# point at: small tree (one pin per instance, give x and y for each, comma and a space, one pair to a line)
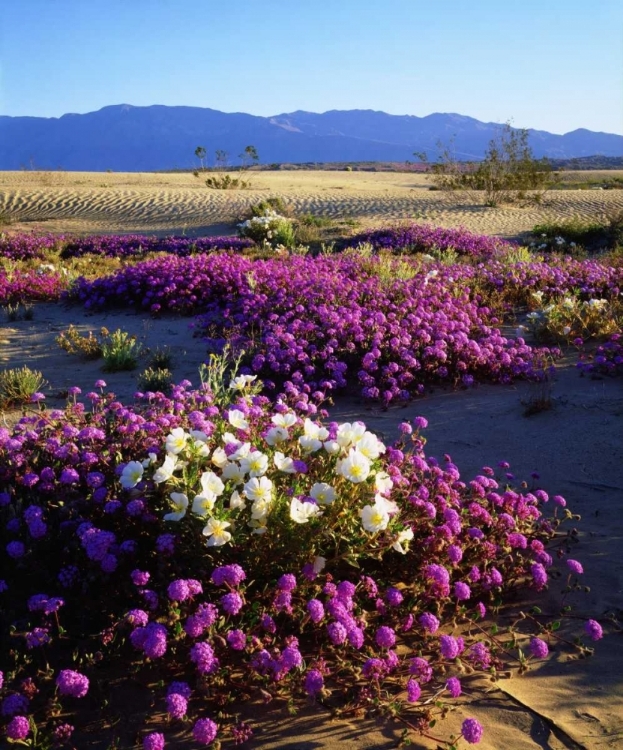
200, 153
222, 157
248, 156
508, 172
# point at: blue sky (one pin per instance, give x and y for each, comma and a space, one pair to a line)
549, 64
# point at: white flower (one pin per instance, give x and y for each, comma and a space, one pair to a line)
370, 446
176, 441
131, 475
276, 435
219, 458
323, 493
406, 535
538, 296
237, 419
319, 563
284, 420
255, 464
390, 506
332, 447
313, 430
309, 444
374, 517
283, 463
241, 452
236, 502
302, 512
259, 489
151, 459
210, 482
233, 472
383, 482
566, 331
229, 437
260, 509
215, 531
599, 304
166, 470
349, 434
180, 504
355, 467
203, 504
241, 382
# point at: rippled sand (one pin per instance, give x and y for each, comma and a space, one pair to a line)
134, 202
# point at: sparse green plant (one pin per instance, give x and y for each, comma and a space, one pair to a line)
12, 312
539, 397
89, 346
120, 351
28, 312
447, 256
156, 379
275, 203
362, 250
219, 373
571, 317
18, 385
570, 236
227, 182
161, 358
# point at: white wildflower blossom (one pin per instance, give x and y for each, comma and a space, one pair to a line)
284, 420
203, 504
374, 518
179, 501
216, 532
302, 512
241, 382
219, 458
210, 482
283, 463
165, 472
255, 464
237, 419
404, 537
176, 440
258, 489
131, 475
323, 493
355, 467
276, 435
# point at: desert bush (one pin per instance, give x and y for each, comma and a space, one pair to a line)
270, 228
156, 380
570, 317
89, 346
161, 358
19, 385
507, 173
120, 351
570, 236
274, 204
227, 182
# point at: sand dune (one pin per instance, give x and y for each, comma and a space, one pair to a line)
107, 202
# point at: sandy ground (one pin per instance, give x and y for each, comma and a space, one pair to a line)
576, 447
84, 202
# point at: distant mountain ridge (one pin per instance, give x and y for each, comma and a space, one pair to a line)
127, 138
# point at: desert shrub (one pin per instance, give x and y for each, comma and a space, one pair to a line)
19, 385
156, 380
570, 317
567, 236
507, 173
161, 357
120, 351
89, 346
615, 230
227, 182
270, 228
274, 204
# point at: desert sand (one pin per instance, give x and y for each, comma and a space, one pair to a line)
84, 202
577, 448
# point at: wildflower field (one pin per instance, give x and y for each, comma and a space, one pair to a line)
226, 543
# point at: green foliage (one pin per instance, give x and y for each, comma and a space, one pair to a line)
227, 182
271, 228
120, 351
219, 372
156, 379
17, 385
89, 346
565, 236
161, 358
508, 172
274, 203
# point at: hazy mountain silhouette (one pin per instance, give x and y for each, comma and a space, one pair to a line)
127, 138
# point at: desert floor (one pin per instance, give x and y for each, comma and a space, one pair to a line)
83, 202
577, 447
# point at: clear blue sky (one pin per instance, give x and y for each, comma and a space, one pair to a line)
550, 64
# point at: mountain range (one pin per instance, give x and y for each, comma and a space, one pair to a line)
127, 138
